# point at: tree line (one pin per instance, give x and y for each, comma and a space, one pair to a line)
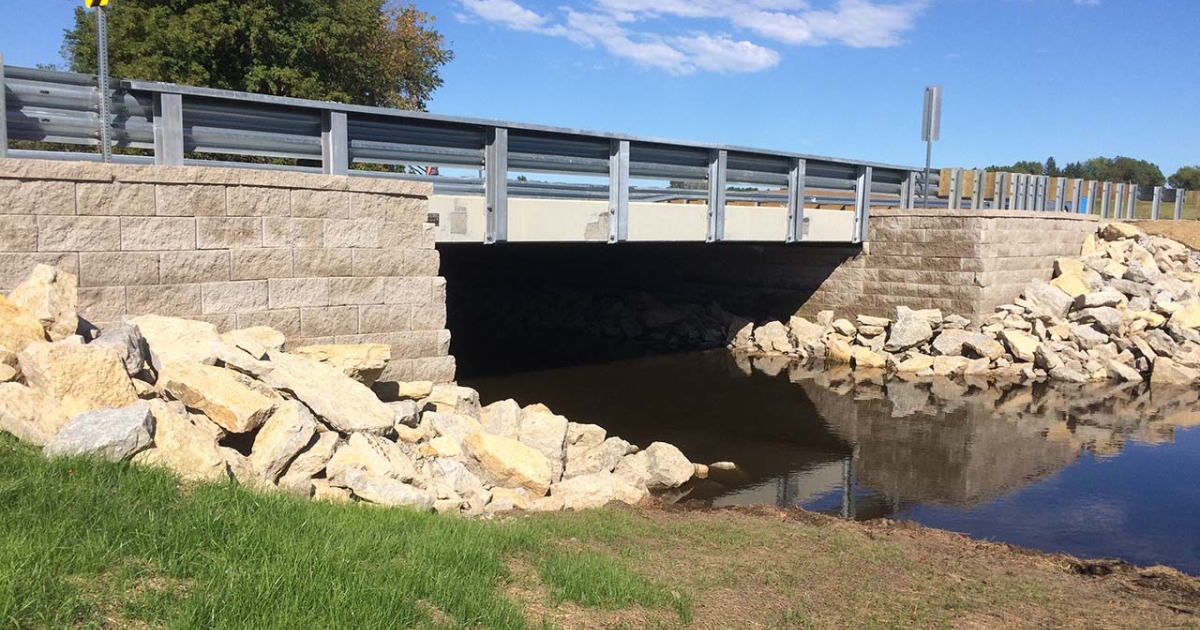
1115, 169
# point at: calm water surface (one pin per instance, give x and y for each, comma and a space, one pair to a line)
1094, 471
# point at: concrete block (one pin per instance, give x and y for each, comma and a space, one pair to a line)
439, 290
189, 200
430, 316
353, 233
101, 304
436, 369
385, 318
378, 262
234, 297
99, 269
328, 321
228, 232
37, 197
370, 205
324, 262
443, 342
258, 201
173, 300
320, 204
412, 291
298, 292
223, 321
399, 370
365, 290
398, 235
115, 199
260, 264
194, 266
158, 233
290, 232
407, 209
286, 321
408, 344
421, 262
16, 267
18, 233
79, 234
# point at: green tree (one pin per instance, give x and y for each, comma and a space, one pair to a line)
1187, 178
366, 52
1024, 167
1052, 168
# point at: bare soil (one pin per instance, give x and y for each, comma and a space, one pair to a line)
1186, 232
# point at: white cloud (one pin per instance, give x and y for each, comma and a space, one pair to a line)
658, 34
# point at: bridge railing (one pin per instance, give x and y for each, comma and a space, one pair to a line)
55, 115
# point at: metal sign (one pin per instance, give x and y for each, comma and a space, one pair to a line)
931, 122
92, 4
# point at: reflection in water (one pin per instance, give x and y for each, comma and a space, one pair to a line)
993, 461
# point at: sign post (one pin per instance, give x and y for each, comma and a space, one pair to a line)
931, 128
102, 75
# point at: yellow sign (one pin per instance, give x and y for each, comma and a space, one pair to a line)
92, 4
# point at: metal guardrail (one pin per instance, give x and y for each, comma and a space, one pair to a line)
174, 124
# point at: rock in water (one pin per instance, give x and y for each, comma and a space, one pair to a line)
907, 332
81, 378
29, 414
284, 435
596, 490
509, 463
661, 465
773, 337
17, 327
218, 394
50, 295
363, 362
113, 434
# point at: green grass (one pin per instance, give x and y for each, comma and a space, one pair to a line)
90, 544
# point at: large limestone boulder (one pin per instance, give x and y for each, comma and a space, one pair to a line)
1168, 372
384, 490
50, 295
112, 434
1187, 317
256, 341
908, 331
362, 362
29, 414
453, 399
547, 434
1044, 295
950, 342
661, 465
81, 378
596, 490
984, 346
454, 426
176, 340
502, 418
18, 328
185, 443
805, 332
345, 404
508, 463
299, 475
281, 439
372, 454
1022, 345
773, 337
127, 342
602, 457
1120, 231
217, 393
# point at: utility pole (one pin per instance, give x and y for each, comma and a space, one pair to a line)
102, 75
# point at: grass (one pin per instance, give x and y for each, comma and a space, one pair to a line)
87, 544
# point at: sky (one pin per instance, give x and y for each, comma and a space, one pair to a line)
1023, 79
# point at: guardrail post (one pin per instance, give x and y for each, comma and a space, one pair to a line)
1077, 196
3, 113
908, 189
1060, 195
862, 203
1119, 210
795, 225
335, 143
977, 191
168, 129
1106, 200
718, 161
1000, 195
1041, 198
496, 186
1131, 207
1179, 197
955, 188
618, 191
1157, 204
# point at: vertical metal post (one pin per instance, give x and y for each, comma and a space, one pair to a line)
495, 158
1131, 207
977, 191
3, 113
848, 483
335, 143
1077, 196
862, 203
1093, 196
618, 191
1031, 192
1157, 204
1043, 184
1119, 206
928, 159
1106, 200
795, 226
718, 161
956, 180
1060, 194
102, 81
999, 190
1179, 197
908, 190
168, 129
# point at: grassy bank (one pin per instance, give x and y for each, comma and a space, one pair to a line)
95, 545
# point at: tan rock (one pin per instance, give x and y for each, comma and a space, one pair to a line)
299, 475
217, 393
256, 341
414, 390
362, 362
373, 454
502, 418
508, 463
289, 429
1068, 266
1071, 284
1187, 317
547, 434
80, 378
603, 457
865, 359
29, 414
915, 363
410, 435
454, 399
18, 327
1089, 246
176, 340
384, 490
701, 471
186, 444
508, 499
597, 490
1022, 345
324, 491
1118, 231
838, 352
442, 446
1168, 372
949, 366
345, 404
661, 465
50, 295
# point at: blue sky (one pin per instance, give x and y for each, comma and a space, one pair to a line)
1024, 79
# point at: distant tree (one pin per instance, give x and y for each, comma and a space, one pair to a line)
366, 52
1073, 170
1024, 167
1052, 168
1187, 178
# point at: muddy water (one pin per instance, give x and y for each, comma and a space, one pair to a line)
1095, 471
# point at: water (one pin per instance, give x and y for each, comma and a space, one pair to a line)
1095, 471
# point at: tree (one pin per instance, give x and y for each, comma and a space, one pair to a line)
1052, 168
1186, 178
1024, 167
365, 52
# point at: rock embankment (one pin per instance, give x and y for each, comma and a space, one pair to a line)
175, 393
1127, 308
